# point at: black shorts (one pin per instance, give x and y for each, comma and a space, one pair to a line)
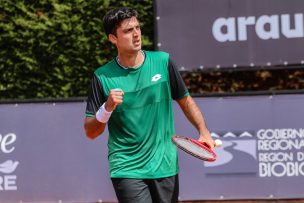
161, 190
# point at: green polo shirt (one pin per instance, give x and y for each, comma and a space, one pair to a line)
140, 129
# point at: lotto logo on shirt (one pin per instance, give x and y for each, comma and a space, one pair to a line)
156, 77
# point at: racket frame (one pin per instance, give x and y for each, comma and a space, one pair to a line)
202, 145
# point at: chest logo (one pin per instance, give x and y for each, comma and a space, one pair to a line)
156, 77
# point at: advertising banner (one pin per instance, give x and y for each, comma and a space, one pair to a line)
231, 33
46, 157
262, 152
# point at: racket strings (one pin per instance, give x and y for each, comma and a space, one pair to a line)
194, 149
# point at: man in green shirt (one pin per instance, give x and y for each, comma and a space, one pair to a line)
133, 94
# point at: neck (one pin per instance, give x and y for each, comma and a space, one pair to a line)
132, 60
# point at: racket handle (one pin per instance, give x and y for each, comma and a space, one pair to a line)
218, 142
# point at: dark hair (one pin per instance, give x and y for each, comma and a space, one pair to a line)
114, 17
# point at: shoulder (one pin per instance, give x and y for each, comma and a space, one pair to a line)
106, 68
161, 55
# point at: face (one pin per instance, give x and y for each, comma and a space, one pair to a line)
128, 36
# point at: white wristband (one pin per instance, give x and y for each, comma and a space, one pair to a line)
102, 115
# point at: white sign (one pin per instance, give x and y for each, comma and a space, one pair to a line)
7, 168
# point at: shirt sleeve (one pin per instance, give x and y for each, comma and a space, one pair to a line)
95, 98
177, 85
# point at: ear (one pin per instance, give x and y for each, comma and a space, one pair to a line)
112, 38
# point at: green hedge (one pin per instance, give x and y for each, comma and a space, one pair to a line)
50, 48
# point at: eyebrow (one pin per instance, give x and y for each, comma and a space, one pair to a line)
131, 28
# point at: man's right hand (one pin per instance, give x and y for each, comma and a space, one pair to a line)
115, 98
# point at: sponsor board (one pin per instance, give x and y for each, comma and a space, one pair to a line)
264, 153
50, 159
231, 33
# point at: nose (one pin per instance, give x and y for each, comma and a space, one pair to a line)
136, 32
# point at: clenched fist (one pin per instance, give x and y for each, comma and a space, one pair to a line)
115, 98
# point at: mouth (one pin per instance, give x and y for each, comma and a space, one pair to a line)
137, 42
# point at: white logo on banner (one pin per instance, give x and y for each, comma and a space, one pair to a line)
7, 179
272, 153
266, 27
8, 167
235, 149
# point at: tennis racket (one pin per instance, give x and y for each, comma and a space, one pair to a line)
200, 150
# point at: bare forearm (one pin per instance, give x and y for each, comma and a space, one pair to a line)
193, 113
195, 116
93, 127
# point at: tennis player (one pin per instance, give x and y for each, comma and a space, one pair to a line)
132, 94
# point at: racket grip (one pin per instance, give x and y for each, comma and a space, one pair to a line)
218, 143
